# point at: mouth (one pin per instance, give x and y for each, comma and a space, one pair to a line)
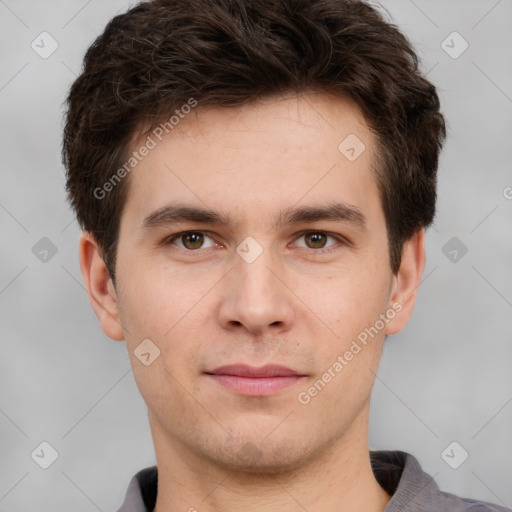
255, 381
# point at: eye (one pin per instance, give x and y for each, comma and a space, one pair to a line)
317, 239
191, 240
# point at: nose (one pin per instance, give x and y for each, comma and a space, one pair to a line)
256, 296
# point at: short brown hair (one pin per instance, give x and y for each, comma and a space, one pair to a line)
151, 60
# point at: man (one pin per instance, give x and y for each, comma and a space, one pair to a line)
253, 180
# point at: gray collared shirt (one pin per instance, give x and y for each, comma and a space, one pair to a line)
399, 473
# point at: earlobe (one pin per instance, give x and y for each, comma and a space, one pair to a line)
406, 282
101, 291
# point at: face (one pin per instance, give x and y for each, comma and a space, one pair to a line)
285, 273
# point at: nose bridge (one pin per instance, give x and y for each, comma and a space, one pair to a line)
256, 297
253, 272
256, 278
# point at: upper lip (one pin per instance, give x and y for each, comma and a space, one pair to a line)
243, 370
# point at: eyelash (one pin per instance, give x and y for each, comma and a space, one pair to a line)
327, 250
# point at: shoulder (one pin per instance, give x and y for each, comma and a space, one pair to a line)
413, 490
452, 502
141, 493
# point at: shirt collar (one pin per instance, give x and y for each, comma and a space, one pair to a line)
399, 473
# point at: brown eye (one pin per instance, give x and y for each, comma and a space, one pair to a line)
190, 240
316, 239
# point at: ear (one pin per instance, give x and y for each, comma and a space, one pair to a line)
406, 282
101, 291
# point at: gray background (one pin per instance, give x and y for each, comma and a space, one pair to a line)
445, 378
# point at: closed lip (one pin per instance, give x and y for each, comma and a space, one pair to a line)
244, 370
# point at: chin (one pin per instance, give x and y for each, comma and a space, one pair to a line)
259, 456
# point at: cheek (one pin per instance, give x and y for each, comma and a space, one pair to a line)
152, 313
352, 300
165, 311
349, 360
156, 299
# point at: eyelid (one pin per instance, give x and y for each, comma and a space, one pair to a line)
341, 239
322, 250
177, 236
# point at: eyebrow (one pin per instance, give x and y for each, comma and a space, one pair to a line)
175, 213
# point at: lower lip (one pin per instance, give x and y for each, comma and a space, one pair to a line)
256, 386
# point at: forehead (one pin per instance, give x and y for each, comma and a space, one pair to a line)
257, 158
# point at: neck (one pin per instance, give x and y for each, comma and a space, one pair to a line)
338, 478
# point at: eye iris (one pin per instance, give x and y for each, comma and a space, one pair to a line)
315, 237
317, 240
197, 240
